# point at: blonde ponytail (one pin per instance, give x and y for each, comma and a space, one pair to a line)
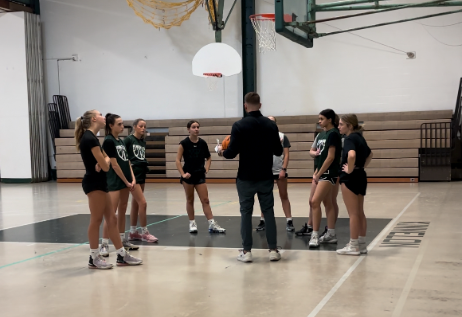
81, 124
352, 120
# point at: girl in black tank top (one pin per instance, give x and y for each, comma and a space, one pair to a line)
355, 157
95, 187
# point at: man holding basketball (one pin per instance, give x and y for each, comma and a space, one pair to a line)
256, 139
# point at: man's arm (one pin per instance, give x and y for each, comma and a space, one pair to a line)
234, 143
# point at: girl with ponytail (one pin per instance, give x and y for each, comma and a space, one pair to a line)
121, 181
94, 185
355, 157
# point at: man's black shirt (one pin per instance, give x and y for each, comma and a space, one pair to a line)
256, 139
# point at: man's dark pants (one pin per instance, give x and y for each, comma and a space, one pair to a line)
264, 190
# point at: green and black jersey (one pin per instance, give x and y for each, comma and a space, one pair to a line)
324, 140
136, 149
115, 148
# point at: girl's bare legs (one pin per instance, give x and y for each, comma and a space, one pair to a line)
189, 191
203, 194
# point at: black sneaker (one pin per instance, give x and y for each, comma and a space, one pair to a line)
304, 231
325, 231
261, 226
290, 226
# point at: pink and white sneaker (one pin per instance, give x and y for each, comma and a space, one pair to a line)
135, 236
147, 237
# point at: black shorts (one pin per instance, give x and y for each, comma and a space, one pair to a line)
276, 176
195, 179
140, 173
328, 178
90, 184
356, 182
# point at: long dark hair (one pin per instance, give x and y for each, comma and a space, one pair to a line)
329, 114
110, 119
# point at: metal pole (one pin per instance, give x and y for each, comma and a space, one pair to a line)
364, 13
317, 35
342, 3
249, 50
386, 6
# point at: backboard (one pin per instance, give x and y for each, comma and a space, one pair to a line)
298, 10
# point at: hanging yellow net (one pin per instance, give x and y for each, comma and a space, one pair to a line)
161, 14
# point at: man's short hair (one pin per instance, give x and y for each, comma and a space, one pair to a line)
252, 98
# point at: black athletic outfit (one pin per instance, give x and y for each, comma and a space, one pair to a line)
357, 180
194, 156
92, 180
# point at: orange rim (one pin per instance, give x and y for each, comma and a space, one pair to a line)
263, 16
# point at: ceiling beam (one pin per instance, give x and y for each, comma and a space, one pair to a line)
9, 6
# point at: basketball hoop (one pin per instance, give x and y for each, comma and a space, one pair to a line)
212, 80
263, 25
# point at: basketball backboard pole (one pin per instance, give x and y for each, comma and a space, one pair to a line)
216, 18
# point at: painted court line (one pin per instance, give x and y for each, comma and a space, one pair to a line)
410, 280
31, 223
71, 247
345, 276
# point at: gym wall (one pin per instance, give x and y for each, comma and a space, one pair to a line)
132, 69
129, 67
350, 74
15, 155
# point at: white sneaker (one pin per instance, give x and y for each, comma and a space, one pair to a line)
192, 227
363, 248
244, 257
104, 250
274, 255
314, 242
214, 227
349, 250
327, 238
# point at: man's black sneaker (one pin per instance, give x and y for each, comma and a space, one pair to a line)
261, 226
304, 231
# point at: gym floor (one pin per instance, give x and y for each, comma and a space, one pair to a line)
413, 267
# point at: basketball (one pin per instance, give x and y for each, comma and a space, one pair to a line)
225, 143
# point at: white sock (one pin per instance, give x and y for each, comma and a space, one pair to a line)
192, 221
105, 241
121, 251
289, 219
211, 221
132, 229
122, 236
362, 239
354, 242
310, 226
94, 253
144, 229
262, 218
315, 234
331, 232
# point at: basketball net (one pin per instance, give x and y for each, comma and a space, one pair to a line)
264, 26
212, 80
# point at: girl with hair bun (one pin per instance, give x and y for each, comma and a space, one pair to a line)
136, 149
355, 157
197, 161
